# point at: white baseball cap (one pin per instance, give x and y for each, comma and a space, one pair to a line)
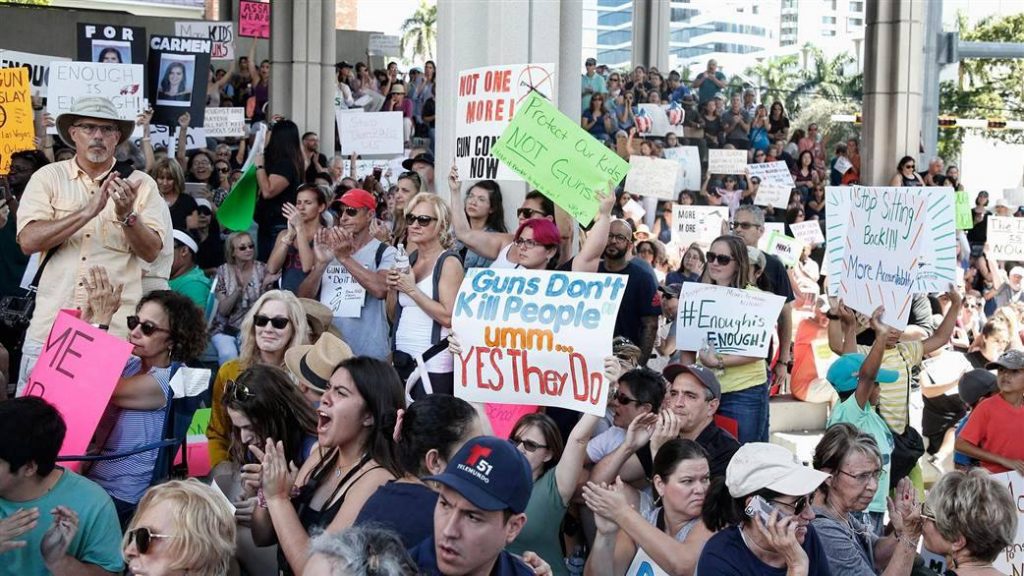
758, 465
187, 240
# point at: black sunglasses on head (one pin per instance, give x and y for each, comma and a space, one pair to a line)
240, 392
279, 322
147, 327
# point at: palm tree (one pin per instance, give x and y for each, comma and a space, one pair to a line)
827, 79
775, 77
419, 32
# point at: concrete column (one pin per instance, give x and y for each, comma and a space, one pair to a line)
302, 43
651, 19
893, 65
506, 32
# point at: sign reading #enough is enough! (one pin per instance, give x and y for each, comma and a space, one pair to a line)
535, 337
559, 158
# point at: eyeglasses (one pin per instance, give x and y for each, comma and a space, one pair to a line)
245, 247
279, 322
240, 392
422, 220
529, 445
743, 225
143, 537
527, 213
624, 400
797, 507
722, 259
103, 129
147, 327
910, 166
527, 243
350, 212
864, 477
618, 238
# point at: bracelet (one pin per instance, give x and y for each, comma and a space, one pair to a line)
103, 327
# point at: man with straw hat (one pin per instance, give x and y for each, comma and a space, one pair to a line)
313, 364
86, 212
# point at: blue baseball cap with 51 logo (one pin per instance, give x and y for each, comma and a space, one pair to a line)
491, 473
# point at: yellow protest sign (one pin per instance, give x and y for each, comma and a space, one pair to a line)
16, 131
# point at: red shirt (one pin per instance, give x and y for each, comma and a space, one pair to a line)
996, 426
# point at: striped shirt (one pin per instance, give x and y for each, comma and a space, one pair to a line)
127, 478
893, 404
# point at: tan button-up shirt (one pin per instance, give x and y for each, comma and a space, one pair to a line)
61, 189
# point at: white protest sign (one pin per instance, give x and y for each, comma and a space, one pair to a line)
195, 138
808, 232
1011, 560
785, 248
535, 337
365, 168
341, 292
776, 183
732, 320
38, 67
661, 121
1006, 238
634, 210
644, 565
721, 161
772, 196
769, 229
947, 367
1014, 197
487, 101
653, 177
700, 224
224, 122
122, 84
688, 158
370, 133
883, 242
937, 266
384, 45
836, 207
222, 34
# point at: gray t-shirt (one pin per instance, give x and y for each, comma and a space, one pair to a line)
737, 133
849, 548
367, 333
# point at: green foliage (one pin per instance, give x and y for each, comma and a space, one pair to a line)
824, 78
29, 2
419, 32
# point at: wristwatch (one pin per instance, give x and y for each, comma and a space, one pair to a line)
103, 327
129, 220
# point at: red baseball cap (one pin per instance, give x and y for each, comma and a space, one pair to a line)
359, 198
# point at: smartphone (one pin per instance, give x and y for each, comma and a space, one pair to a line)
376, 173
759, 508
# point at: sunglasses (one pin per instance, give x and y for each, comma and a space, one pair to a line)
349, 211
527, 213
240, 392
245, 247
422, 220
743, 225
528, 445
722, 259
204, 211
147, 327
797, 507
142, 537
624, 400
279, 322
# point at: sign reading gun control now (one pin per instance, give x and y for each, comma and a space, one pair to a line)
535, 337
731, 320
558, 157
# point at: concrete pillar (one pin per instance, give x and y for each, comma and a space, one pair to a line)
651, 19
930, 85
506, 32
302, 81
893, 65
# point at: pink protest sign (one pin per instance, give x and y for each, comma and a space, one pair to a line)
503, 417
254, 19
77, 372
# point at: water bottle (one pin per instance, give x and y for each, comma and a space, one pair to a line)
401, 260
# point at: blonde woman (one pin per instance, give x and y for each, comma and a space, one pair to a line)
275, 323
181, 527
240, 281
421, 299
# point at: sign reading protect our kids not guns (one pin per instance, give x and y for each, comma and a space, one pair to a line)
559, 158
731, 320
535, 337
882, 247
77, 372
16, 130
488, 99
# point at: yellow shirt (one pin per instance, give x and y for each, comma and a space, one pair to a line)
892, 398
218, 433
737, 378
61, 189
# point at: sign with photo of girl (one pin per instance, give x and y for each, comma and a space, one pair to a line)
178, 75
111, 44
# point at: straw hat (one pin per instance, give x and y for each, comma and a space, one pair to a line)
315, 363
93, 107
397, 89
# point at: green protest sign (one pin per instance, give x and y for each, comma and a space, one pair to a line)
558, 157
200, 422
964, 217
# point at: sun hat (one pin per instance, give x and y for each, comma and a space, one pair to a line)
95, 107
314, 363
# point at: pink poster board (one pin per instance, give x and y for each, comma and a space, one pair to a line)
254, 19
503, 417
77, 372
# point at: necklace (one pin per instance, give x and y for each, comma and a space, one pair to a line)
337, 471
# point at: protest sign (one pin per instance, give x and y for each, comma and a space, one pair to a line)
532, 337
179, 73
721, 161
111, 44
776, 184
769, 229
224, 122
644, 565
503, 417
16, 130
552, 152
487, 100
38, 66
77, 370
122, 84
964, 216
700, 224
1011, 559
370, 133
773, 196
652, 177
937, 265
384, 45
167, 137
688, 158
732, 320
1014, 197
1006, 238
836, 207
253, 19
882, 247
808, 232
660, 123
787, 249
341, 292
221, 33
